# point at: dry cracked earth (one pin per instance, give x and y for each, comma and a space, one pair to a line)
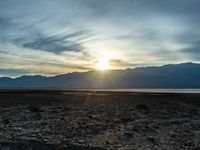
98, 120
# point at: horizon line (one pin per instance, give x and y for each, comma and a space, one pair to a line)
31, 75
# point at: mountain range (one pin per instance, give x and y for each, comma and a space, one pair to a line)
185, 75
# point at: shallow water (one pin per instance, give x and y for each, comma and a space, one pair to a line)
147, 90
68, 91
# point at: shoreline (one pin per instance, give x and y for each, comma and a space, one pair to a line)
158, 91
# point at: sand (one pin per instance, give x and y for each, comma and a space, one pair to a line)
34, 119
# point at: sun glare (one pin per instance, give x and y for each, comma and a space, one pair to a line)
103, 65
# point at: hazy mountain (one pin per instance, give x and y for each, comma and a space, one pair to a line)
186, 75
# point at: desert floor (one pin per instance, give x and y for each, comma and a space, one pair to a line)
45, 120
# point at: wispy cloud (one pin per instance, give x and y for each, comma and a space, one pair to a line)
56, 44
62, 33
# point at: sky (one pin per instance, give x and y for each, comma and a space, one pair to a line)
50, 37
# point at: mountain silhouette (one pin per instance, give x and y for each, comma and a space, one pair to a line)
185, 75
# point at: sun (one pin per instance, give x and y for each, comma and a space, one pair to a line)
103, 64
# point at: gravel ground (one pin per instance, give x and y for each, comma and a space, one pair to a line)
99, 120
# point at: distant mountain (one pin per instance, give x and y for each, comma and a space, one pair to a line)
186, 75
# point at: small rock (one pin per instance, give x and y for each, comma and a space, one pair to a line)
128, 134
141, 107
34, 109
6, 121
152, 140
193, 112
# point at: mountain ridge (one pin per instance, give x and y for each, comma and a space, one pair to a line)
184, 75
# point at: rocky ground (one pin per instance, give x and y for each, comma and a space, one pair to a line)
99, 120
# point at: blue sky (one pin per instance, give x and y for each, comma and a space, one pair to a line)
50, 37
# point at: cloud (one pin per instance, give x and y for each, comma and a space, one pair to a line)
124, 64
65, 32
193, 50
4, 22
13, 72
55, 44
191, 44
27, 36
38, 33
